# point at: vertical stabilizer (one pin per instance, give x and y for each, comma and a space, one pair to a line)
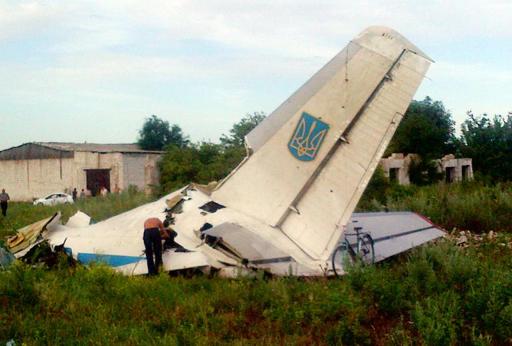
312, 158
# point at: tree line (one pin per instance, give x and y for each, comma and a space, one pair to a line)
201, 162
427, 129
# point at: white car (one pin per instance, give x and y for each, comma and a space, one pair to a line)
54, 198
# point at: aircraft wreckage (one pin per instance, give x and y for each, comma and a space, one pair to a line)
288, 208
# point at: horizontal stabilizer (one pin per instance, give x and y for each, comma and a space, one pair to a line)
393, 232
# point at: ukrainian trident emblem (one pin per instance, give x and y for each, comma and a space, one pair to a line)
307, 137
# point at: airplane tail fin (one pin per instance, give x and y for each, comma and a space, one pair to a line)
311, 159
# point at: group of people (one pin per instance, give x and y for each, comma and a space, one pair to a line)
102, 191
84, 193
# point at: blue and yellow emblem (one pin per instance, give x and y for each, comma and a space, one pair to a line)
307, 137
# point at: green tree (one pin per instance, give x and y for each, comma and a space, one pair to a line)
427, 129
156, 134
206, 161
488, 141
178, 167
240, 129
200, 163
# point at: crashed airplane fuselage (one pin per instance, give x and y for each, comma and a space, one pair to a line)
288, 207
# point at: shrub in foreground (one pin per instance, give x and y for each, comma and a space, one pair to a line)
468, 206
437, 295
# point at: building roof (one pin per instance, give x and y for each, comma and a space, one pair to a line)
99, 148
55, 150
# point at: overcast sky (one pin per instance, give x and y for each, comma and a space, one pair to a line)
93, 70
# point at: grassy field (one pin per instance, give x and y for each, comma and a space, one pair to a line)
437, 295
467, 206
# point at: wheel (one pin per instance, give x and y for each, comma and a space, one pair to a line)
342, 257
365, 249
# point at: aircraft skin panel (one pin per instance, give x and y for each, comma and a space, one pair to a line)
266, 184
393, 232
341, 183
274, 121
376, 38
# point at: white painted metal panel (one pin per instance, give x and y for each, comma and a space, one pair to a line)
380, 39
247, 243
335, 192
394, 232
363, 101
274, 121
266, 184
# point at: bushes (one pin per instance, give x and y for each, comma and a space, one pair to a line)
468, 206
436, 295
437, 319
200, 163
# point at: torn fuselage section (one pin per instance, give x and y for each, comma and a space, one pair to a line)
250, 249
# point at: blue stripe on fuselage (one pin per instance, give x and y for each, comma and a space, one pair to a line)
111, 260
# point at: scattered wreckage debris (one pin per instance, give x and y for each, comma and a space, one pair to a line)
30, 245
466, 238
29, 236
288, 207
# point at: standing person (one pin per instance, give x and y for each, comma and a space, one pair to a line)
153, 243
82, 194
75, 193
4, 197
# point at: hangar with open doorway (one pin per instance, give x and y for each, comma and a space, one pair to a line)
35, 169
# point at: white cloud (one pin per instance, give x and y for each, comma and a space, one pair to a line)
280, 30
26, 18
96, 48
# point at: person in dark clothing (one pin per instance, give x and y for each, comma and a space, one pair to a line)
4, 198
153, 228
75, 193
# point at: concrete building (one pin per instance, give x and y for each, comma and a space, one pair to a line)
396, 167
455, 169
35, 169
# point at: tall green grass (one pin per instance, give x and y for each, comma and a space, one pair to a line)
470, 206
439, 295
20, 214
435, 295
